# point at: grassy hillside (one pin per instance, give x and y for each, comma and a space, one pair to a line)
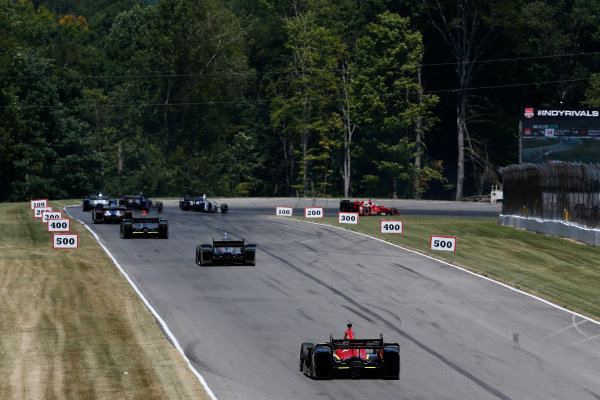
72, 327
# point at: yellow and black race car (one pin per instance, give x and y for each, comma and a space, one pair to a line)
144, 227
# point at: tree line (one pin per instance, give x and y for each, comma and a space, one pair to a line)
411, 99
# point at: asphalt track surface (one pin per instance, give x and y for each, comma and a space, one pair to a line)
332, 206
461, 336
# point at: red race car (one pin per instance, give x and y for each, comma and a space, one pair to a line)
350, 357
367, 207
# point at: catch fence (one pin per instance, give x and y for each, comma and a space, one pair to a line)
556, 190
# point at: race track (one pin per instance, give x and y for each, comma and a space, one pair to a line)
461, 336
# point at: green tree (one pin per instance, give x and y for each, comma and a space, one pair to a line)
397, 162
52, 151
186, 63
302, 97
391, 104
563, 29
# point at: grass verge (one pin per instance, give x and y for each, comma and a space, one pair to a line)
559, 270
71, 326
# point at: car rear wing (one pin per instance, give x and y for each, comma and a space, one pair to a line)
148, 219
229, 243
359, 343
112, 206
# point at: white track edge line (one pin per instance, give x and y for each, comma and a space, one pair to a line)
163, 324
589, 319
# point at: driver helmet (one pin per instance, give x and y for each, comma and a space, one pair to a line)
349, 334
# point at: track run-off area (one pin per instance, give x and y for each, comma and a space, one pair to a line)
461, 336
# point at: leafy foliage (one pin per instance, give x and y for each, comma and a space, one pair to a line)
276, 97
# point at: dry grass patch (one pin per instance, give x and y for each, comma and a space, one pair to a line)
72, 327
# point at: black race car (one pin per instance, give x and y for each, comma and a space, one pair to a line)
351, 357
144, 227
200, 203
140, 202
110, 214
226, 252
92, 200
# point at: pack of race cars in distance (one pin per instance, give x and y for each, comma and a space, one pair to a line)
226, 252
135, 202
108, 210
367, 207
202, 204
350, 357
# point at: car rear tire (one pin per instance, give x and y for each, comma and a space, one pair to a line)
125, 232
198, 250
391, 363
304, 355
366, 211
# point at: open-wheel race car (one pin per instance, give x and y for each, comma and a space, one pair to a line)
140, 202
366, 207
144, 227
201, 203
110, 213
226, 252
90, 202
350, 357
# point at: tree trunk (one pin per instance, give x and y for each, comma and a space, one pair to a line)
120, 157
460, 125
305, 161
347, 162
166, 137
467, 39
349, 128
418, 139
324, 194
